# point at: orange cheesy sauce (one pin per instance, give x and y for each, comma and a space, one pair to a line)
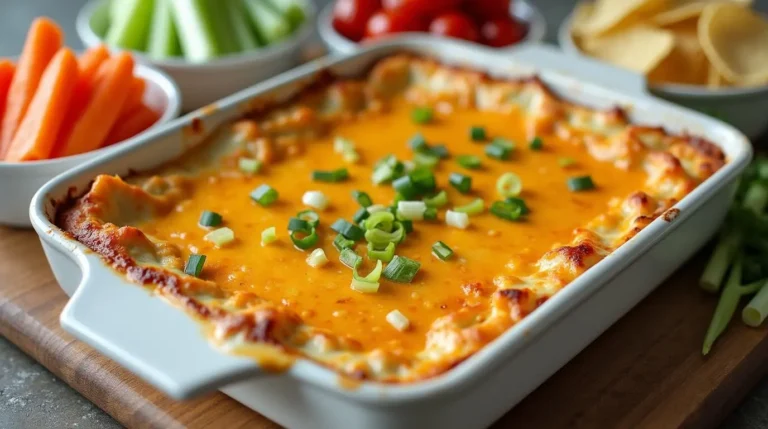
489, 247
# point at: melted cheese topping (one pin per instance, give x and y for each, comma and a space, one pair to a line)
251, 295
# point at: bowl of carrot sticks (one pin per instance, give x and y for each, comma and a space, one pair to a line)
59, 109
211, 49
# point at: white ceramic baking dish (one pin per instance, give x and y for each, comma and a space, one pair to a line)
164, 346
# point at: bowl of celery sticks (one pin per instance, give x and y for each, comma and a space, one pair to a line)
211, 48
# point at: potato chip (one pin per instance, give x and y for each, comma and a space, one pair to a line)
639, 48
608, 15
681, 10
735, 41
687, 63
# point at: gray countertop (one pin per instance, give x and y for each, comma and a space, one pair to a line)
32, 397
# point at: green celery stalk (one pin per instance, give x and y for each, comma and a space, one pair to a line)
223, 31
292, 10
163, 38
197, 32
129, 23
242, 30
270, 25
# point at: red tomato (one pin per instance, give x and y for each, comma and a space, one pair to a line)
502, 32
351, 16
426, 8
487, 9
393, 21
455, 24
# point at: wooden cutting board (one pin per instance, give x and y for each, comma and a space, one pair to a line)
644, 372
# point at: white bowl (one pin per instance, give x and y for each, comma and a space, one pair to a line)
204, 83
521, 9
19, 181
744, 108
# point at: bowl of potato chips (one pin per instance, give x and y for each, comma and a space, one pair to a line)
709, 55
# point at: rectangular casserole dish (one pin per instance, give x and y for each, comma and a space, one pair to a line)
133, 328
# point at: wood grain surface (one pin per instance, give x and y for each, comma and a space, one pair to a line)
644, 372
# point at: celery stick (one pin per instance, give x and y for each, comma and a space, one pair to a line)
241, 26
163, 39
129, 23
292, 10
195, 25
270, 25
219, 13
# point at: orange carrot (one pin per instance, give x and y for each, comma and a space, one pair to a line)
136, 121
89, 64
6, 74
111, 86
43, 41
135, 96
36, 135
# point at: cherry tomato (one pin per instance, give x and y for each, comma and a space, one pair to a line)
455, 24
351, 16
386, 22
425, 8
502, 32
487, 9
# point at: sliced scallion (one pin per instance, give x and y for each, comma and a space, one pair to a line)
407, 225
401, 269
509, 185
369, 283
315, 199
249, 165
506, 210
348, 230
220, 237
341, 243
309, 239
518, 202
380, 238
422, 115
194, 265
438, 200
398, 320
405, 187
209, 219
296, 224
333, 176
382, 220
477, 133
376, 208
362, 198
475, 207
457, 219
268, 236
310, 216
441, 251
342, 145
440, 151
360, 215
349, 258
470, 162
581, 183
426, 160
430, 213
536, 143
565, 162
461, 182
384, 255
411, 210
423, 180
418, 143
317, 258
265, 195
500, 148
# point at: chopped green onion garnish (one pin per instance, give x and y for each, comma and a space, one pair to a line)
398, 320
362, 198
342, 145
405, 187
407, 225
305, 242
518, 202
310, 216
296, 224
330, 176
209, 219
440, 151
269, 235
381, 238
421, 115
315, 199
373, 276
438, 200
581, 183
194, 265
348, 230
382, 220
349, 258
509, 185
249, 165
360, 215
457, 219
430, 213
220, 237
475, 207
376, 208
385, 255
505, 210
411, 210
423, 180
565, 162
470, 162
497, 152
441, 251
426, 160
351, 157
401, 269
341, 243
418, 143
386, 169
264, 195
505, 143
369, 283
536, 143
317, 258
461, 182
477, 134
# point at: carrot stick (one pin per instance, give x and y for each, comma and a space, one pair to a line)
135, 96
136, 121
6, 74
43, 41
37, 132
88, 63
112, 83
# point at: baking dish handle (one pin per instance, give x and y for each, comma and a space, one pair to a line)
102, 313
551, 58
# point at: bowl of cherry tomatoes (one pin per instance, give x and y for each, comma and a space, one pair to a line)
345, 24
